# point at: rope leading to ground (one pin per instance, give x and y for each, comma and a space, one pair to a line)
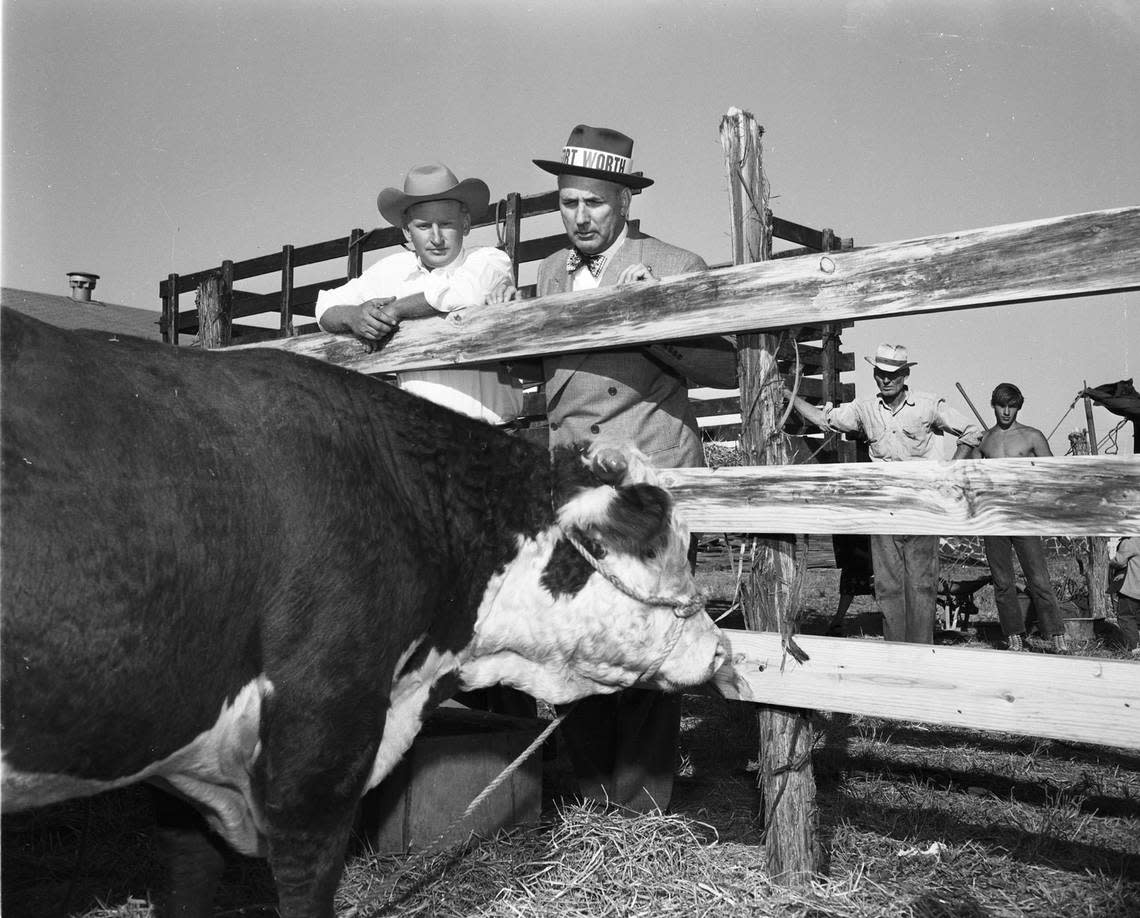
423, 855
683, 607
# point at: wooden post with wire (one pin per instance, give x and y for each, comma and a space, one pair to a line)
1096, 561
771, 595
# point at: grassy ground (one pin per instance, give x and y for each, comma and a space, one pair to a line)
916, 821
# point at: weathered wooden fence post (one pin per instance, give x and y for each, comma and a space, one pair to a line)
771, 597
215, 307
168, 324
1096, 560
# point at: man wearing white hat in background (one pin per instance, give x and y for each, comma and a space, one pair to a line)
623, 746
901, 425
438, 276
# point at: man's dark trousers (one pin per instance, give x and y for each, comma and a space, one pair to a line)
1031, 554
906, 582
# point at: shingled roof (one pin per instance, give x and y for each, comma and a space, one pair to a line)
65, 312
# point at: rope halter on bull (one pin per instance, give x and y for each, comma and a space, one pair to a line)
683, 607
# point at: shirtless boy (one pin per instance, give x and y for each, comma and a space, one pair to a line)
1007, 439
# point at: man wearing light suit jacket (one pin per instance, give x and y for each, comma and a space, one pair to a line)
623, 746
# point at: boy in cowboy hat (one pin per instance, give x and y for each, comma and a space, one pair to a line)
900, 425
1009, 438
623, 746
438, 276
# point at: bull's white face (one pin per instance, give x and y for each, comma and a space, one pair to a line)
563, 645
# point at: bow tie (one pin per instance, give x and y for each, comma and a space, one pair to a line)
576, 259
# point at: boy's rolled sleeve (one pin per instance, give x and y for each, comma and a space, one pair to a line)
468, 285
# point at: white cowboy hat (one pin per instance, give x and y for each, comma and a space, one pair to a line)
432, 182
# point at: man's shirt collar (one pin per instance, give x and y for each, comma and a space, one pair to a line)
907, 399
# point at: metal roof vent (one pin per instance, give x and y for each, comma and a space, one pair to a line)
82, 283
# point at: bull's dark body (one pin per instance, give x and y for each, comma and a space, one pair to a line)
311, 526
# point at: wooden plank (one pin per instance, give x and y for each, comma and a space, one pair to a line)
1078, 699
797, 233
355, 266
287, 291
811, 388
379, 238
1043, 259
512, 231
811, 357
708, 407
169, 321
1061, 495
538, 249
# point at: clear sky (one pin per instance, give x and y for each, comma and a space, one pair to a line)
143, 137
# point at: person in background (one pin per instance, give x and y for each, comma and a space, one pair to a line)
1009, 438
1124, 559
900, 425
438, 276
624, 746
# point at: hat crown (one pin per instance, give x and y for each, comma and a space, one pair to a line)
891, 353
604, 140
890, 357
596, 152
432, 182
431, 178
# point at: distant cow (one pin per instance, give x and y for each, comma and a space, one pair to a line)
246, 577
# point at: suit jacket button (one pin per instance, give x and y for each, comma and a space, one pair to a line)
612, 390
594, 428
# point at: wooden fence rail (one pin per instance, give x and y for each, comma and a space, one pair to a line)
1077, 255
1080, 699
1058, 496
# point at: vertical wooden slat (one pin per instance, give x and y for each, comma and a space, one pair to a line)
355, 254
771, 597
512, 231
169, 321
287, 330
1096, 563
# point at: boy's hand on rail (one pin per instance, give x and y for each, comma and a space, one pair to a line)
503, 292
371, 321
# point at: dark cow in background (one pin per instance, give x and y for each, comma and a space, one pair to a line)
246, 577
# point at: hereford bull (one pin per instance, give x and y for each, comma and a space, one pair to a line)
247, 577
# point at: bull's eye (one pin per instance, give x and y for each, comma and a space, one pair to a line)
650, 553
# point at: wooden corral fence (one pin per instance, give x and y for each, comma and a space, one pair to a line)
220, 306
1083, 254
1080, 699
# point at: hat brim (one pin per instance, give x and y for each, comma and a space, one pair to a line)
631, 180
472, 192
891, 369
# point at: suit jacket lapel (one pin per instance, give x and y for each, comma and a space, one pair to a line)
628, 254
559, 282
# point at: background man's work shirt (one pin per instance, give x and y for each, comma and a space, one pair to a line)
909, 431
